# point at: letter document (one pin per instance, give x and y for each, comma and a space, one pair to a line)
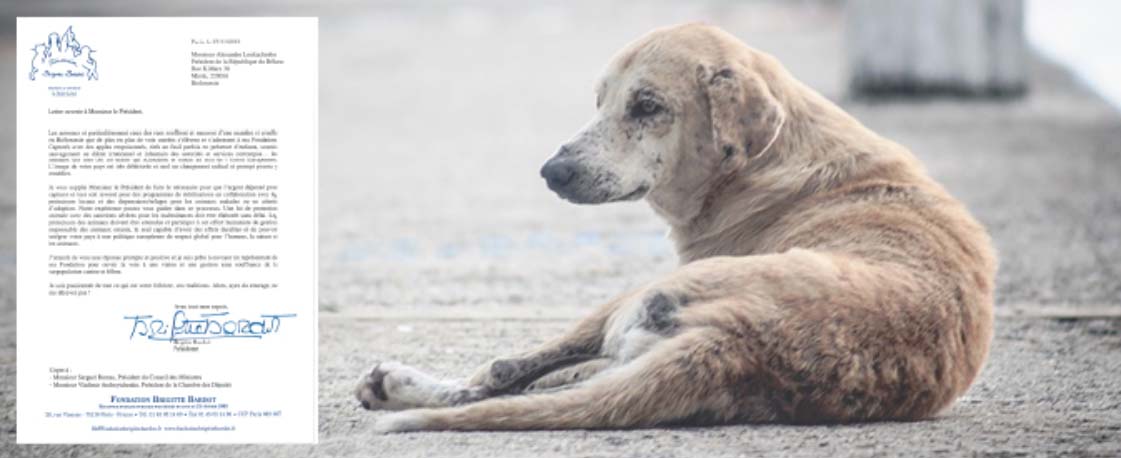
166, 229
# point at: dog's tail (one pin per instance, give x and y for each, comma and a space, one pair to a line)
684, 379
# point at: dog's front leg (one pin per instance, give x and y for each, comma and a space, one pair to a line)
509, 375
395, 386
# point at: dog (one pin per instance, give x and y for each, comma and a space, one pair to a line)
824, 277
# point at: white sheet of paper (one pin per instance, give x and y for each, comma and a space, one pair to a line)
167, 230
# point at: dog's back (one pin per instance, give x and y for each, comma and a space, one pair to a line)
896, 320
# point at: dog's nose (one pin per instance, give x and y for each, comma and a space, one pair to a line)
558, 173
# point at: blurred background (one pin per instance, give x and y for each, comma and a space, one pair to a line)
439, 244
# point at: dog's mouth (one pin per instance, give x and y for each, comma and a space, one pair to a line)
638, 193
601, 197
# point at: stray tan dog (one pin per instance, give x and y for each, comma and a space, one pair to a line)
824, 277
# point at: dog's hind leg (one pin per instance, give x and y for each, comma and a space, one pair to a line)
691, 377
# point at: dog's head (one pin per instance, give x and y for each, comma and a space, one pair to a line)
675, 109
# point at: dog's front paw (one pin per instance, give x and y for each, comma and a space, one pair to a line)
401, 422
384, 386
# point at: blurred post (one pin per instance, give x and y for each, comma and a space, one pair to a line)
968, 47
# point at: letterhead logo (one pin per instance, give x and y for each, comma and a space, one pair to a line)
63, 57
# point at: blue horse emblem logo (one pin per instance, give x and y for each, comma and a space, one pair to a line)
63, 57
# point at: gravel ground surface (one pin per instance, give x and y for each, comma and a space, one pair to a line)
441, 247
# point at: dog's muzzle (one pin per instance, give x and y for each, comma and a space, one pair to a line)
573, 181
560, 173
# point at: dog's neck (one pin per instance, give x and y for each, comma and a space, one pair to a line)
813, 153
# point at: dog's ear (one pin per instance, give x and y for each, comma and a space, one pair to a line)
746, 117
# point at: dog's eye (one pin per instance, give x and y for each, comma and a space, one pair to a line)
645, 108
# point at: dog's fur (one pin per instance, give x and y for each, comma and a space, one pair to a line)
824, 277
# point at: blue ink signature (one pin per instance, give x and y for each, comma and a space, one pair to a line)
207, 326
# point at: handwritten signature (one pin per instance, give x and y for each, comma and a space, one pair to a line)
206, 326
